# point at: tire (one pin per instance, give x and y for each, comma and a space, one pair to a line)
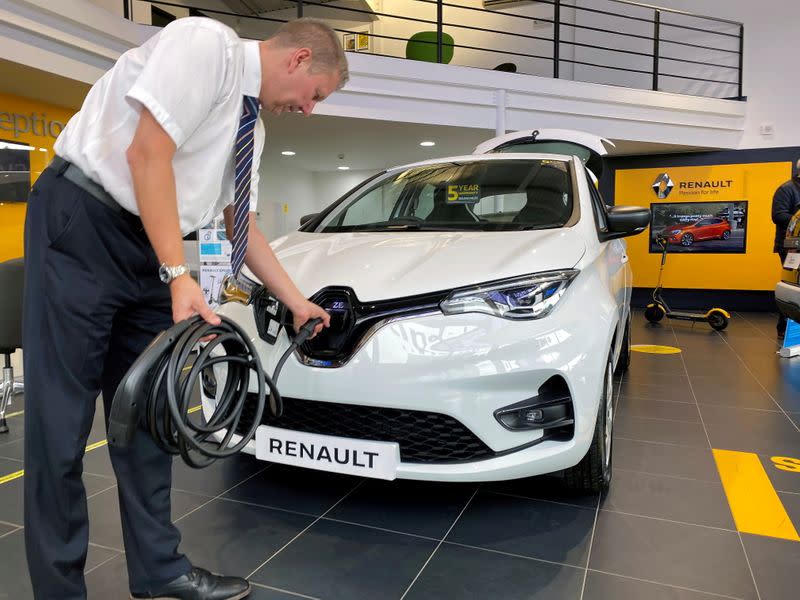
687, 239
717, 319
654, 312
726, 234
593, 474
624, 360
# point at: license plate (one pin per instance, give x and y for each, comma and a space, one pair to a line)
366, 458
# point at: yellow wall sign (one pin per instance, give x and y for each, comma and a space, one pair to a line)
756, 269
30, 127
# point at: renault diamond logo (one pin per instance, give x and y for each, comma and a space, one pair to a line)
662, 186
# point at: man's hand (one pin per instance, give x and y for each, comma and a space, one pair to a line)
306, 311
188, 300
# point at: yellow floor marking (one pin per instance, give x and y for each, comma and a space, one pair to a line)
651, 349
754, 503
89, 448
11, 477
16, 414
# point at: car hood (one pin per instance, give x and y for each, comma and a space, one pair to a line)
379, 266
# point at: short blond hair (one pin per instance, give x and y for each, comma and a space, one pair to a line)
327, 54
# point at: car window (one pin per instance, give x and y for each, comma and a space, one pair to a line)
487, 195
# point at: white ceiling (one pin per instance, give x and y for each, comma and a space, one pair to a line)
367, 144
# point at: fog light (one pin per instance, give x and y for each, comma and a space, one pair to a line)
550, 409
534, 415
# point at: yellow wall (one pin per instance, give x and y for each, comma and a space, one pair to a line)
35, 124
757, 269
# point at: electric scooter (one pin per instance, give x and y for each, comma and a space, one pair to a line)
718, 318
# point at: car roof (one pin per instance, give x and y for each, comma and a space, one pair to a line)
507, 156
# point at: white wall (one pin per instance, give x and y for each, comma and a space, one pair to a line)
286, 194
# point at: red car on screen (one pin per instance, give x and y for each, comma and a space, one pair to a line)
686, 234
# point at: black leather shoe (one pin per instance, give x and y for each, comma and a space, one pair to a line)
199, 584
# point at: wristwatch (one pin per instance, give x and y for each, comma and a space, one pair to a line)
169, 272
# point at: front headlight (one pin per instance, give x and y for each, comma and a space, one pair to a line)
529, 297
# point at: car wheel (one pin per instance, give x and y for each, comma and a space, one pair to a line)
687, 239
717, 319
726, 234
654, 312
593, 474
624, 360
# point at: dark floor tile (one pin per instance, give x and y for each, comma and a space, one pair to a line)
13, 450
602, 586
770, 433
104, 521
294, 488
235, 538
664, 459
791, 503
417, 507
686, 500
532, 528
678, 390
16, 427
658, 409
459, 573
108, 581
258, 592
774, 563
783, 481
219, 477
14, 578
698, 558
635, 377
338, 561
652, 430
545, 487
661, 364
12, 492
6, 528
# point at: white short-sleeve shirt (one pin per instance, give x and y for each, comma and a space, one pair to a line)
192, 77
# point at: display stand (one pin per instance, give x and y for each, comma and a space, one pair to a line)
215, 259
791, 341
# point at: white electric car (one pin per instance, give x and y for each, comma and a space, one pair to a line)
480, 305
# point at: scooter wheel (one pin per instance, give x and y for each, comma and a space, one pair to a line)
654, 313
717, 320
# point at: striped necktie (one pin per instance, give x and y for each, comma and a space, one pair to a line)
243, 170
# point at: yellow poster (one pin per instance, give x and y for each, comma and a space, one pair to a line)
715, 221
28, 130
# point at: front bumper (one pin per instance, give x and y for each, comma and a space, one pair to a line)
462, 368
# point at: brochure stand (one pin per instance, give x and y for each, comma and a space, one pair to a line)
215, 259
791, 341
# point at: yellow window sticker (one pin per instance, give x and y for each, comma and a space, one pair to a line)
469, 193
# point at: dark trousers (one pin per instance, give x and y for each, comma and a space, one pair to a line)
93, 301
781, 326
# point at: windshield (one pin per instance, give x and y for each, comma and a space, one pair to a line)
492, 195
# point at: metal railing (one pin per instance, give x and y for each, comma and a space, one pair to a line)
615, 42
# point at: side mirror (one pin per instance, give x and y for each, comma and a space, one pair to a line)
306, 218
625, 220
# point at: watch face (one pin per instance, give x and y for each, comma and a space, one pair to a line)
164, 274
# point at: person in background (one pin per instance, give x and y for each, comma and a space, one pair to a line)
785, 203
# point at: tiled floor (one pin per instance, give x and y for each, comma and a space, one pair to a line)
665, 530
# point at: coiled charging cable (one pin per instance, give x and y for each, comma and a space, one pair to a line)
158, 388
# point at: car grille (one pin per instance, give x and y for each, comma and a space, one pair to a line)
423, 437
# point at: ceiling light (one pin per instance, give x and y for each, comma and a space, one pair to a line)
427, 143
288, 153
343, 168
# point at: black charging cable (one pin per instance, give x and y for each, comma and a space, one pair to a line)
158, 389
